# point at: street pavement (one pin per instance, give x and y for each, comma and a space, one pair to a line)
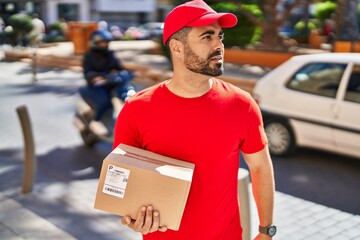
61, 203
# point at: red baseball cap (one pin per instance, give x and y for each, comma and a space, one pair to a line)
195, 14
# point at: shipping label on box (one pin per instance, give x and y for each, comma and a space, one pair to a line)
131, 178
115, 181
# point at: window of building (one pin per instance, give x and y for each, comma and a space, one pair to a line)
321, 79
69, 12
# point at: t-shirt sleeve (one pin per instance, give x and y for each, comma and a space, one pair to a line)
125, 130
255, 138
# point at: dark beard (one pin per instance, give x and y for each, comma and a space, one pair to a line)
199, 65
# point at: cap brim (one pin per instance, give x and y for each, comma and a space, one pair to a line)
226, 20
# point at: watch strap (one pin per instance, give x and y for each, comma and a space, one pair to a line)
268, 230
263, 229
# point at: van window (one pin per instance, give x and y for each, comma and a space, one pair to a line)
353, 88
321, 79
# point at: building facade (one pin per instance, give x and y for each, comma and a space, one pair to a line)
115, 12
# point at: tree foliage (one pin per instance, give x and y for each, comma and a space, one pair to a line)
269, 22
324, 10
21, 26
246, 31
272, 19
21, 23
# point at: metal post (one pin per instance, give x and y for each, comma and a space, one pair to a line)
244, 199
34, 67
30, 161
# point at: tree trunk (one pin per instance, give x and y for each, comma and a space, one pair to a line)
270, 38
347, 28
270, 26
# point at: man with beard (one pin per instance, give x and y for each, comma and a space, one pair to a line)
198, 118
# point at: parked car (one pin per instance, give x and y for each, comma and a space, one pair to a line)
154, 29
135, 33
144, 31
312, 101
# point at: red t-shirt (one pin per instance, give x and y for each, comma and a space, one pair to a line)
209, 131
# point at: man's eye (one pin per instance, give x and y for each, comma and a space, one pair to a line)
221, 37
207, 37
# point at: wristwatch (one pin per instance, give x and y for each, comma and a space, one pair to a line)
269, 230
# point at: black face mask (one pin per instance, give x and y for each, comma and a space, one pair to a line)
100, 50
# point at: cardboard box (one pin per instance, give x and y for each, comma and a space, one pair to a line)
132, 177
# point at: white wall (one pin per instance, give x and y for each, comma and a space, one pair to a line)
125, 5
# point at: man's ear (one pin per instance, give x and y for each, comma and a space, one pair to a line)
176, 47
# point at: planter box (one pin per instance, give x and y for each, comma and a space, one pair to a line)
346, 46
79, 33
316, 40
256, 57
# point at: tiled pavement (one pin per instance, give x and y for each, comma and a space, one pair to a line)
61, 205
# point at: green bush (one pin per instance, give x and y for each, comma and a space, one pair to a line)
53, 38
21, 25
300, 26
245, 32
324, 10
56, 26
56, 33
9, 37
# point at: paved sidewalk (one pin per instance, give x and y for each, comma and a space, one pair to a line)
61, 204
18, 222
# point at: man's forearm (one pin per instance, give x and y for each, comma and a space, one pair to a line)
263, 187
263, 184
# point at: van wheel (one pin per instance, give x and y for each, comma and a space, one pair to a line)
280, 136
88, 138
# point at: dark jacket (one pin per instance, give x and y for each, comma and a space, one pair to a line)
99, 63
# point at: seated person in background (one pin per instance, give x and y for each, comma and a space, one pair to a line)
38, 32
105, 78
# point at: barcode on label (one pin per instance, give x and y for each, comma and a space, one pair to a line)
115, 181
114, 190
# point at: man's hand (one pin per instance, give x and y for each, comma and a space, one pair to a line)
148, 221
98, 81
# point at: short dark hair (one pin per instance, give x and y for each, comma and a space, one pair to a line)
180, 35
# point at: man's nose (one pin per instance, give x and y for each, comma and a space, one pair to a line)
218, 44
